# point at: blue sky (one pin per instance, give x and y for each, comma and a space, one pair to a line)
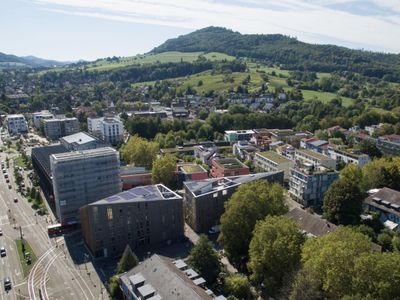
89, 29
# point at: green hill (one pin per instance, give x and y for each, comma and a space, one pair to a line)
8, 61
287, 51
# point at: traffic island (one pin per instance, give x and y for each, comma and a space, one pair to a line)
27, 257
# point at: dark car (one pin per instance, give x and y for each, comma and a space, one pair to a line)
3, 252
7, 283
15, 200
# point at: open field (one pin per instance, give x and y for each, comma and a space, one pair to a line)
325, 97
166, 57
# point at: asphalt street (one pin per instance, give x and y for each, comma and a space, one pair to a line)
55, 275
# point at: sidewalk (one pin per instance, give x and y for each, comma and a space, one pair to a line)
194, 238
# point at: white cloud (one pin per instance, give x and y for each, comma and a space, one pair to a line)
309, 20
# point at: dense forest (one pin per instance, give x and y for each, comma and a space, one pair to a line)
288, 52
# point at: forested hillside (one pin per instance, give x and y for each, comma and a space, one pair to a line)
288, 52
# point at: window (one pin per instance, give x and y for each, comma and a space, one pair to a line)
109, 214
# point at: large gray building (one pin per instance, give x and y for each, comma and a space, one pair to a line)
204, 199
141, 217
56, 128
82, 177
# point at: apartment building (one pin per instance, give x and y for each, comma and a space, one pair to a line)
204, 199
385, 202
112, 130
270, 161
141, 217
81, 141
134, 176
16, 124
238, 135
187, 172
109, 129
222, 167
244, 150
82, 177
158, 278
388, 145
38, 117
56, 128
316, 159
308, 184
348, 157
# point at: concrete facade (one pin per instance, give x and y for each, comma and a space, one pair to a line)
56, 128
271, 161
16, 124
80, 178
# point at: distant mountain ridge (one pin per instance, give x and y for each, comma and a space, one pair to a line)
287, 51
13, 61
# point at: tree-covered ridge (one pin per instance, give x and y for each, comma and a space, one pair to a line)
13, 61
287, 51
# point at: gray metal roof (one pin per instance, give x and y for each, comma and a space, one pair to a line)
141, 194
79, 138
196, 186
166, 279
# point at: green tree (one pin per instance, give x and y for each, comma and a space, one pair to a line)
238, 286
377, 276
205, 260
369, 147
163, 170
128, 260
343, 202
328, 263
140, 152
251, 202
275, 250
113, 287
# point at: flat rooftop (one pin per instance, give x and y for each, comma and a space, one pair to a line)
230, 163
275, 157
247, 131
314, 154
192, 168
79, 138
205, 186
141, 194
84, 153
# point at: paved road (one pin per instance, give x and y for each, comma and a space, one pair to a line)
55, 274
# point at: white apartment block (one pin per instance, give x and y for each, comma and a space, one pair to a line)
16, 124
316, 159
359, 159
94, 126
271, 161
38, 117
109, 129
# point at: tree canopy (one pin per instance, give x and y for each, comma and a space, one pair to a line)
128, 260
205, 260
140, 152
251, 202
343, 202
328, 264
163, 170
275, 250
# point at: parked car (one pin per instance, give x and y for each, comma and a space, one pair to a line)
3, 252
7, 180
9, 186
7, 284
1, 232
15, 199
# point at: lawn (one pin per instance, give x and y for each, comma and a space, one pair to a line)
25, 267
325, 97
165, 57
19, 162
